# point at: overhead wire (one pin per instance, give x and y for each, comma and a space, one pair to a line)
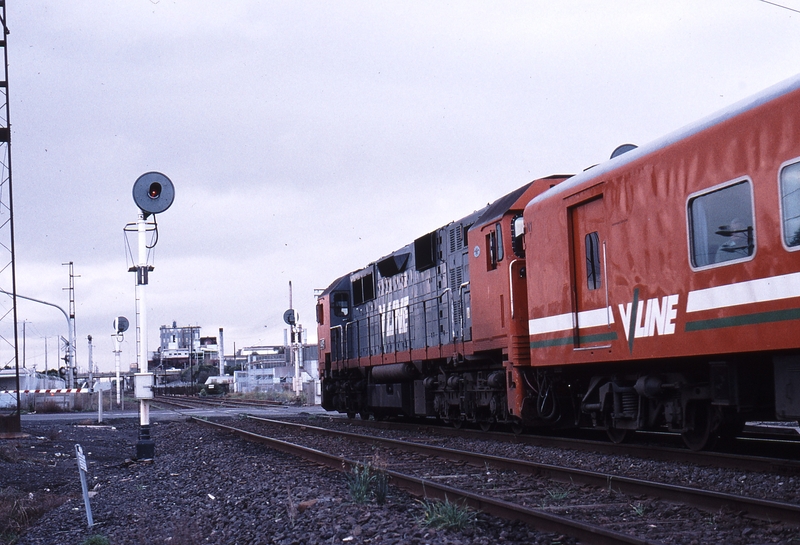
780, 5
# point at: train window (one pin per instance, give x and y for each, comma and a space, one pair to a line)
341, 304
491, 251
790, 204
721, 225
320, 314
363, 289
499, 230
593, 261
518, 236
425, 251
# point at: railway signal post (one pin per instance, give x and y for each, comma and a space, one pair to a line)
153, 193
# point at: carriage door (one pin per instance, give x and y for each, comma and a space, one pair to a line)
589, 282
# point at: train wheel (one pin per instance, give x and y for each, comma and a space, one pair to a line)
517, 428
618, 435
364, 415
351, 415
702, 421
485, 426
457, 423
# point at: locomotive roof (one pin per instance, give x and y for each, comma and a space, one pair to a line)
747, 104
335, 284
499, 207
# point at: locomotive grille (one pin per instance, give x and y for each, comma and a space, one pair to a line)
456, 277
456, 239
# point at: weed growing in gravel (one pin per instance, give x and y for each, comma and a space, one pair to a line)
555, 495
381, 479
638, 509
291, 508
359, 482
9, 452
558, 494
446, 515
18, 510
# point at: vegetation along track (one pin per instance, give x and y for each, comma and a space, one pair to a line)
592, 507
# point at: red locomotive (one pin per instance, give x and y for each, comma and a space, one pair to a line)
658, 290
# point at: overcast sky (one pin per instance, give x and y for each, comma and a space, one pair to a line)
307, 139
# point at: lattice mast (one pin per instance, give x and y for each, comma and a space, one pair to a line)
9, 356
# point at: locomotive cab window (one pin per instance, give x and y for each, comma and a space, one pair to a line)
341, 304
491, 251
499, 237
320, 314
721, 227
518, 236
790, 204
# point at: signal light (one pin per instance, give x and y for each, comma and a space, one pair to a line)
155, 190
153, 193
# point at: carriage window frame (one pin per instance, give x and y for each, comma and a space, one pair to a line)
498, 228
790, 237
592, 246
703, 245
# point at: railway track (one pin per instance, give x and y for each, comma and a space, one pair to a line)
494, 490
195, 402
785, 456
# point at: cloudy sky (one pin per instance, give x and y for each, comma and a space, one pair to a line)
306, 139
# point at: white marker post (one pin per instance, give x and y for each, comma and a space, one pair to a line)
82, 471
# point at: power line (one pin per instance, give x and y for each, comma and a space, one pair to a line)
780, 6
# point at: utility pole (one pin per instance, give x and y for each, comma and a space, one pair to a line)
221, 354
296, 332
73, 331
91, 384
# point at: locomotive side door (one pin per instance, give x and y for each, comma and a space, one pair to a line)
589, 281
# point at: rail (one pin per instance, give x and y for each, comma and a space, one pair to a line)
715, 501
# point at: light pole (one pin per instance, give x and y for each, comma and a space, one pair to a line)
120, 327
71, 348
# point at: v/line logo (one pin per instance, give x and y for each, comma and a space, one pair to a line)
648, 318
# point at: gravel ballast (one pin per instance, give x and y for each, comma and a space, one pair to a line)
206, 487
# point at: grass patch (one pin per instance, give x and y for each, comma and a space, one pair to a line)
446, 514
368, 480
359, 483
18, 510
